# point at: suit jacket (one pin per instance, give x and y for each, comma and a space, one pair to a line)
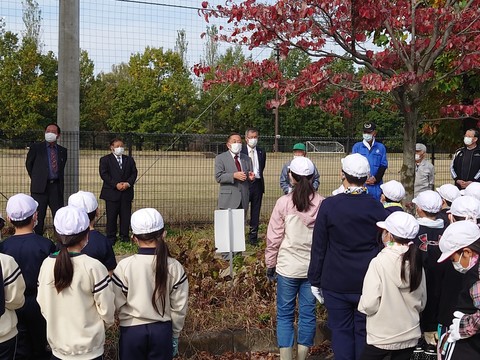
37, 166
262, 159
111, 175
232, 192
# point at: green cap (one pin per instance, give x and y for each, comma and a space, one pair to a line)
299, 146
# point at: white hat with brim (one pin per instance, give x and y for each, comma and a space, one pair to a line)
71, 220
393, 190
456, 236
20, 207
400, 224
465, 206
356, 165
146, 221
449, 192
473, 190
429, 201
85, 200
302, 166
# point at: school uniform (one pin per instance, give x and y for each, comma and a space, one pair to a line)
391, 207
77, 316
29, 251
13, 287
100, 248
142, 329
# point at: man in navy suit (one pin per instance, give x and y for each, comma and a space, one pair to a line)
257, 186
45, 165
119, 173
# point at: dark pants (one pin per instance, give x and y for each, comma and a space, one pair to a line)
347, 325
32, 332
371, 352
52, 198
147, 342
115, 209
256, 196
7, 349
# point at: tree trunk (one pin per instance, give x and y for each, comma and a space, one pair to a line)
407, 172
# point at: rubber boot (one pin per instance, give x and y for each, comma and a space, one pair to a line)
302, 352
286, 353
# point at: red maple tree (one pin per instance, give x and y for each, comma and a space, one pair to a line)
397, 43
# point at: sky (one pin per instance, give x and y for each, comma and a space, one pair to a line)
112, 30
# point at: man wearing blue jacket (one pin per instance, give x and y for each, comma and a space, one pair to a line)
376, 155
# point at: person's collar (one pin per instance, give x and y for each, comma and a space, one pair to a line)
233, 155
368, 145
146, 251
473, 146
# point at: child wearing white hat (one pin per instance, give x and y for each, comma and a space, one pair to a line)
449, 193
428, 205
98, 246
394, 291
393, 193
74, 292
151, 307
460, 244
29, 251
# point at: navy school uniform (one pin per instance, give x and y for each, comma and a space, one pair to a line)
29, 251
100, 248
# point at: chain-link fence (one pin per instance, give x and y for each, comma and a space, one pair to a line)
176, 172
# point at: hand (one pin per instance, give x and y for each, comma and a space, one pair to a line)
371, 180
431, 337
175, 346
119, 186
240, 176
454, 329
251, 176
462, 184
271, 274
317, 292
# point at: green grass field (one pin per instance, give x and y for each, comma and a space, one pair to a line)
181, 185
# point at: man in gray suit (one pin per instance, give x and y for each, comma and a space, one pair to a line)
233, 171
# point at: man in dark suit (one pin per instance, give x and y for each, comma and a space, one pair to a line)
45, 165
233, 171
119, 173
257, 186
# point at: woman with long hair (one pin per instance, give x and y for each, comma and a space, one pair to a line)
287, 256
74, 292
151, 293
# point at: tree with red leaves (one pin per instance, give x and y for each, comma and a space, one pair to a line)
404, 47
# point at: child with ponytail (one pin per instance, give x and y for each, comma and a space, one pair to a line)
394, 292
151, 293
74, 292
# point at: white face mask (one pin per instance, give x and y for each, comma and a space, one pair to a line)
235, 148
417, 157
118, 151
252, 142
50, 137
471, 263
367, 137
467, 140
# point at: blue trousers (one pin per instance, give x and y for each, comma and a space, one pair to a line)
146, 342
347, 324
287, 291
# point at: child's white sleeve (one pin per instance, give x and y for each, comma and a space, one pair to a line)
371, 292
103, 294
13, 283
178, 297
120, 285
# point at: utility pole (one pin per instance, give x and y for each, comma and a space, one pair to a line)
277, 57
68, 114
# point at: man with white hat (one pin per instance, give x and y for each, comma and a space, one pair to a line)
344, 241
461, 244
393, 193
29, 250
98, 246
428, 205
449, 193
424, 170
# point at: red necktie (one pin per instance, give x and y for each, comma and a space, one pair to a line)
53, 159
237, 163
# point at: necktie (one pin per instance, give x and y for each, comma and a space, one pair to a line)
119, 159
237, 163
53, 159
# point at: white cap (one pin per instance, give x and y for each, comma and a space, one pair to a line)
339, 190
400, 224
84, 200
420, 147
146, 221
473, 190
302, 166
466, 206
20, 207
456, 236
356, 165
393, 190
449, 192
429, 201
70, 220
